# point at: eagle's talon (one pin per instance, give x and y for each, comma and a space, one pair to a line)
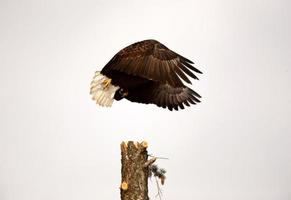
123, 92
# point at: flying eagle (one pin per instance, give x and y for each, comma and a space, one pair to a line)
146, 72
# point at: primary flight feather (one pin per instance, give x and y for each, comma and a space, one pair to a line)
146, 72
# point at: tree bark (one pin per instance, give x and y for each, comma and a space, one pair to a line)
134, 171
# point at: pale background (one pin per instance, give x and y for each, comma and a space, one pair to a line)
56, 144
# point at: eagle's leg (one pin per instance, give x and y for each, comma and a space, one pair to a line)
125, 93
106, 83
120, 94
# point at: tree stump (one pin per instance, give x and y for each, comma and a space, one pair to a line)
134, 171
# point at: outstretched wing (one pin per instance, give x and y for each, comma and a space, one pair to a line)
152, 60
165, 95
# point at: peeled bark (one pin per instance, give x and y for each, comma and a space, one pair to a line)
134, 171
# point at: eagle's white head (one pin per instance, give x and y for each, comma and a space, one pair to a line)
102, 90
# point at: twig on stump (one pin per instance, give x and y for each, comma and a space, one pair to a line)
134, 171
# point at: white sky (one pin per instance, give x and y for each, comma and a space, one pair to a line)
55, 143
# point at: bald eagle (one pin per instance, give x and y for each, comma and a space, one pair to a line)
146, 72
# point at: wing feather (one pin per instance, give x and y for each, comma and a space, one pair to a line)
152, 60
165, 95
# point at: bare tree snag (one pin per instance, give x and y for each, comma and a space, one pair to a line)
134, 171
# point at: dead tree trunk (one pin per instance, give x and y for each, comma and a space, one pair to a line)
134, 171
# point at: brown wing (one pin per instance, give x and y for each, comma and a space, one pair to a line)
152, 60
165, 95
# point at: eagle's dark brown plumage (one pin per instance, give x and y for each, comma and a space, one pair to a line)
149, 72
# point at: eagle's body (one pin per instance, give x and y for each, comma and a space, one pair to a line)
146, 72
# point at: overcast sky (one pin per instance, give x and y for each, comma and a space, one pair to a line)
56, 144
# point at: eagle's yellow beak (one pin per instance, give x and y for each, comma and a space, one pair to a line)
106, 83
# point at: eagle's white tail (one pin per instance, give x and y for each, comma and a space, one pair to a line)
102, 90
